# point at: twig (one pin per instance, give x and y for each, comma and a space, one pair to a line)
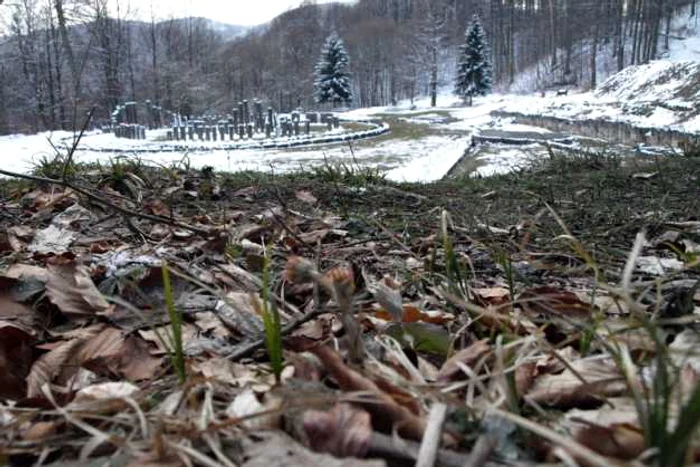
100, 199
387, 447
481, 451
248, 348
431, 439
76, 141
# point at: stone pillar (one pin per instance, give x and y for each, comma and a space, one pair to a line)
190, 131
175, 134
230, 131
250, 130
268, 130
207, 132
307, 127
241, 131
296, 126
336, 122
214, 133
182, 132
246, 113
270, 117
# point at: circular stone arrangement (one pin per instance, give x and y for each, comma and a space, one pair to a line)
119, 145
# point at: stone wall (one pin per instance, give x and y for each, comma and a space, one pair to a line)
615, 132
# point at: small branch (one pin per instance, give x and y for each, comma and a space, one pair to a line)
76, 141
433, 433
248, 348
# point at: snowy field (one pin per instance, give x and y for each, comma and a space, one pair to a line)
427, 158
660, 94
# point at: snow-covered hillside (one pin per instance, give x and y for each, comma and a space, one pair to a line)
661, 94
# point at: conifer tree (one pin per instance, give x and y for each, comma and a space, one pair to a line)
474, 72
331, 77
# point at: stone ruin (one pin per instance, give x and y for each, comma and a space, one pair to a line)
248, 122
245, 122
131, 119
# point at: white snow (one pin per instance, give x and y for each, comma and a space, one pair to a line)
505, 160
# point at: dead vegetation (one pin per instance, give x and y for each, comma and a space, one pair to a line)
166, 316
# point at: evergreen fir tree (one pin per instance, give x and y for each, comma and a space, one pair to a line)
474, 72
331, 77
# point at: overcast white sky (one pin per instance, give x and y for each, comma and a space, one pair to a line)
243, 12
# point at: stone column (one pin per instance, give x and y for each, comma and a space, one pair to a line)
246, 113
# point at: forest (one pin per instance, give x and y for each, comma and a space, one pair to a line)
60, 58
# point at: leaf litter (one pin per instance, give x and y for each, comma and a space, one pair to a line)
524, 331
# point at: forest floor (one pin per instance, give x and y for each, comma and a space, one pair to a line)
165, 316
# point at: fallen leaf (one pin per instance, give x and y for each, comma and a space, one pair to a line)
11, 310
387, 414
225, 371
593, 380
158, 208
275, 448
108, 390
344, 431
306, 197
451, 370
111, 353
71, 289
190, 336
52, 240
59, 364
40, 430
256, 415
15, 360
552, 301
495, 296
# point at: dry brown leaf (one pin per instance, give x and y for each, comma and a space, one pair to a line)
190, 336
40, 430
275, 448
157, 207
469, 356
26, 271
387, 414
59, 364
494, 296
525, 375
620, 440
110, 353
11, 310
71, 289
306, 197
602, 379
552, 301
15, 359
225, 371
344, 431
